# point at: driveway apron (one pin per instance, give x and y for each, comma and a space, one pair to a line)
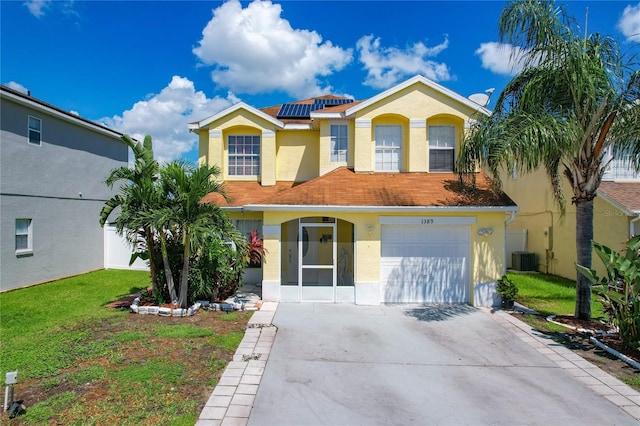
337, 364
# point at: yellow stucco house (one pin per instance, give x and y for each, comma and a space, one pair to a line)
357, 201
540, 229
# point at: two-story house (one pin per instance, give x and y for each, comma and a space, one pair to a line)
539, 227
52, 172
358, 201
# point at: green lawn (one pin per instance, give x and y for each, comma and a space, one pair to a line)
37, 323
550, 294
81, 362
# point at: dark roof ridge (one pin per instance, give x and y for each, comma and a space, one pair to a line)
44, 104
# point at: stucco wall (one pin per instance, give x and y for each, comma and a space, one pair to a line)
297, 155
486, 257
552, 236
415, 108
60, 186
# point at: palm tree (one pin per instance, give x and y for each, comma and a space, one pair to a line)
576, 98
138, 193
183, 213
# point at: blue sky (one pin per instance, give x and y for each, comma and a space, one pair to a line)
151, 67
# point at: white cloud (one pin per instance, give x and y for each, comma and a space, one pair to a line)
629, 23
17, 87
386, 66
254, 50
37, 7
499, 58
165, 116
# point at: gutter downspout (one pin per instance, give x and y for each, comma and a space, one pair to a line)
506, 223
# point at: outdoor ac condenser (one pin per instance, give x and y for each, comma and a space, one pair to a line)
523, 261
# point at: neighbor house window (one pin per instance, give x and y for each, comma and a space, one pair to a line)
35, 130
23, 236
339, 143
388, 148
244, 155
442, 143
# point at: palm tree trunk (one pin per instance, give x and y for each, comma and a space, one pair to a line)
184, 278
584, 236
167, 270
152, 263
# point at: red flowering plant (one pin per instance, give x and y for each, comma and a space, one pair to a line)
256, 250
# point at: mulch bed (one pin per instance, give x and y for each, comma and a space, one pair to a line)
612, 340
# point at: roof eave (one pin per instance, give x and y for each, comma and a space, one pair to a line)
418, 79
61, 114
328, 115
618, 205
233, 108
297, 126
380, 209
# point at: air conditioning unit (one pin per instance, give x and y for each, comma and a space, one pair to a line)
523, 261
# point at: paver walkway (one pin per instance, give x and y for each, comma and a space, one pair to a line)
232, 399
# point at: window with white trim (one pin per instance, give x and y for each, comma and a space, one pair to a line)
247, 227
339, 143
388, 148
24, 236
244, 155
34, 130
620, 167
442, 144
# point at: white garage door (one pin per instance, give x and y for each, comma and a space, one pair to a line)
425, 264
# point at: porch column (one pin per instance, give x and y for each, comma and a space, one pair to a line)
271, 235
268, 158
215, 151
364, 150
417, 152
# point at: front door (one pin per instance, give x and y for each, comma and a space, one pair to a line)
317, 262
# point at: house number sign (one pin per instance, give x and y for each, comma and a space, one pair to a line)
427, 220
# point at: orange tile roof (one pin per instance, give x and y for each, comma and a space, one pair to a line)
344, 187
625, 193
243, 193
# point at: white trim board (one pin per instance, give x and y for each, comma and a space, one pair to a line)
427, 220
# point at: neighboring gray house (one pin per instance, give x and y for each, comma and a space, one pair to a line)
53, 165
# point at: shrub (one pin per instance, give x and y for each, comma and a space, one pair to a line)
507, 288
216, 271
620, 289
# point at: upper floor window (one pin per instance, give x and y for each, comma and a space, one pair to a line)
442, 144
244, 155
35, 130
388, 148
620, 167
24, 237
339, 143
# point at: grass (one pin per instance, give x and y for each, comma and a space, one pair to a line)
550, 294
81, 362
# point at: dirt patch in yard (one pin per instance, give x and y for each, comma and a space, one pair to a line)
139, 375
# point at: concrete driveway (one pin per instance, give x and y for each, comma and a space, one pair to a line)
355, 365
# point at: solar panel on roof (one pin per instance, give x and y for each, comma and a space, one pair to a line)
304, 110
332, 101
295, 111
